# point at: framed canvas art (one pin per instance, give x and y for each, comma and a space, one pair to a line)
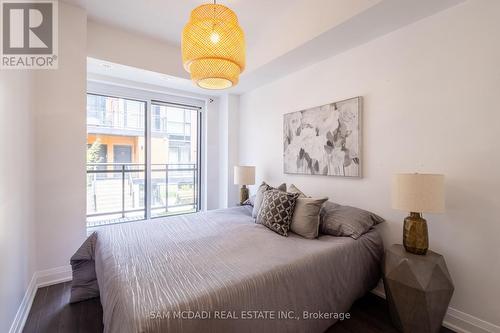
324, 140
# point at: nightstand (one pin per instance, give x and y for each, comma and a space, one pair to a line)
418, 289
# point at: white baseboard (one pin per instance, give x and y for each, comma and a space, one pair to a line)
24, 308
456, 320
53, 276
40, 279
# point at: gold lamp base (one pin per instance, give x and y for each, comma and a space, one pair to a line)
243, 194
415, 234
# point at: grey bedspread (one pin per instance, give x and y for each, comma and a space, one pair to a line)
224, 270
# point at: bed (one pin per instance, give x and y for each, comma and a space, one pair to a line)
218, 271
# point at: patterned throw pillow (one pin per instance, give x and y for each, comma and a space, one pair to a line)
260, 195
277, 210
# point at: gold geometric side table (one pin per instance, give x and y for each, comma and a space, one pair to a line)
418, 289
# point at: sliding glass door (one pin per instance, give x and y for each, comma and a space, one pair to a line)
116, 158
174, 159
142, 159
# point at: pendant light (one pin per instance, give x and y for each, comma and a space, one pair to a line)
213, 47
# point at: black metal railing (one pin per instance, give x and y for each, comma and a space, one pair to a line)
116, 191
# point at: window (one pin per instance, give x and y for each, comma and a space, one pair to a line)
134, 172
174, 175
115, 159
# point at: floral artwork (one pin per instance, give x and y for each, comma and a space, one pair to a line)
324, 140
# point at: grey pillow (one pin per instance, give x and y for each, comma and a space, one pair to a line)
305, 220
277, 210
338, 220
259, 196
294, 189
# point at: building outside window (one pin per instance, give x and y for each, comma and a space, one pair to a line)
117, 168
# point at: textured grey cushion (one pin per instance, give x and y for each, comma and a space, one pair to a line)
305, 221
294, 189
259, 196
277, 210
338, 220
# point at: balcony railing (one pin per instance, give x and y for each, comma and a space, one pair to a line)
116, 191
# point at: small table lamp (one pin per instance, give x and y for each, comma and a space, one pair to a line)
417, 193
244, 175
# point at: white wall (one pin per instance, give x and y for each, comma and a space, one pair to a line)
60, 145
430, 105
228, 149
211, 163
42, 169
232, 148
16, 191
123, 47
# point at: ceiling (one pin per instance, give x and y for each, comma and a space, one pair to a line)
272, 27
282, 36
166, 18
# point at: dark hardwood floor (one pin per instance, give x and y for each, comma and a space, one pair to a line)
52, 313
369, 314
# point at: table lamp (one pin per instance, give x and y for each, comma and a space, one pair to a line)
244, 175
417, 193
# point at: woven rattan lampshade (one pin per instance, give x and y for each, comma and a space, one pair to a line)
213, 47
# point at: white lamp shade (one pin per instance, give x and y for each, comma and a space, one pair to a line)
244, 175
418, 192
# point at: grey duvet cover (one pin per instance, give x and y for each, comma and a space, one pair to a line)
220, 272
